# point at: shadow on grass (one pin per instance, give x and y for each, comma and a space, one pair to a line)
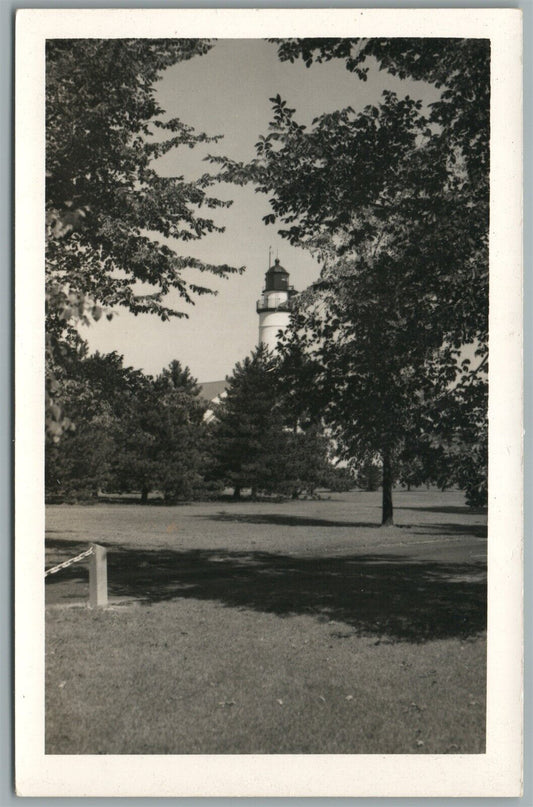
281, 520
460, 510
476, 530
399, 598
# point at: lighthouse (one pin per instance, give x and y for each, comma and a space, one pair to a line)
273, 305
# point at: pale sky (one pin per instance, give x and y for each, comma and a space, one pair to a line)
226, 92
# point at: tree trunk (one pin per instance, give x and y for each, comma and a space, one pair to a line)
253, 493
144, 495
237, 492
386, 508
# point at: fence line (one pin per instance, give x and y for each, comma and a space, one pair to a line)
97, 573
69, 562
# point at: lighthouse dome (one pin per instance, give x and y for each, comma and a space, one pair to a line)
277, 278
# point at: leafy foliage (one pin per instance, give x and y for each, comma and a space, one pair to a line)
458, 67
394, 200
106, 203
305, 462
113, 223
369, 476
95, 392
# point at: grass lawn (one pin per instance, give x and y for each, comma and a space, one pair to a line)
296, 627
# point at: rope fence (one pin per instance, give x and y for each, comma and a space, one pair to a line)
97, 573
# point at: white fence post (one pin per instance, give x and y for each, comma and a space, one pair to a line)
98, 577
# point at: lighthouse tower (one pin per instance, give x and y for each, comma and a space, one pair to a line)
273, 305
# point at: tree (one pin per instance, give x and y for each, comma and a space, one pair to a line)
132, 432
160, 437
248, 428
95, 391
305, 462
460, 67
460, 448
259, 439
394, 200
369, 476
106, 204
176, 378
113, 222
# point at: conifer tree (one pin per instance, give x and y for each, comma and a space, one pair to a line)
133, 432
248, 430
161, 437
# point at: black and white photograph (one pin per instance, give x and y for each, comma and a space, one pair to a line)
268, 514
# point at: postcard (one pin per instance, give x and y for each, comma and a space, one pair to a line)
268, 403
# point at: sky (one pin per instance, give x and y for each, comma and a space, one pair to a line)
226, 92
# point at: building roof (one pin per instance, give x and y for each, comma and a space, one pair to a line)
211, 389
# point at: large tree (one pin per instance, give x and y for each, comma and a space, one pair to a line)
133, 432
161, 437
262, 435
248, 431
305, 463
394, 200
106, 203
96, 393
116, 228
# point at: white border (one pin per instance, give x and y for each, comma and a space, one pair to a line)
496, 773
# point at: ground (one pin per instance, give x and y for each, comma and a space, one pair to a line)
293, 627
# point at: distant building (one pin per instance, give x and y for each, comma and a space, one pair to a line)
213, 392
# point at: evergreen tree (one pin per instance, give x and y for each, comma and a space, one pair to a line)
248, 433
257, 437
369, 476
160, 437
178, 379
306, 462
133, 432
97, 390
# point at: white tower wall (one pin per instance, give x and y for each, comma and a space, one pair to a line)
270, 323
